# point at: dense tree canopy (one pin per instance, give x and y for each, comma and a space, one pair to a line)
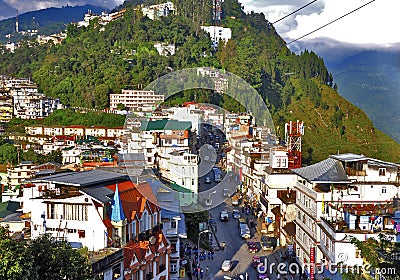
42, 258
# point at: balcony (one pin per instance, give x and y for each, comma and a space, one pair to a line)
287, 197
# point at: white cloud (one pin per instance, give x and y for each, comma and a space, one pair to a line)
376, 23
24, 6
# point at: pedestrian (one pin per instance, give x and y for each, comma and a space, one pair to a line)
207, 270
242, 208
212, 255
209, 255
201, 273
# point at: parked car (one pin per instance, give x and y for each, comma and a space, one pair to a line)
226, 265
268, 243
224, 216
245, 231
252, 246
208, 180
241, 221
236, 214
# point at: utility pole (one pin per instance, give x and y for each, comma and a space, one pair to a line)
16, 23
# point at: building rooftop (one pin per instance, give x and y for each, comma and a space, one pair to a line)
165, 124
83, 178
327, 171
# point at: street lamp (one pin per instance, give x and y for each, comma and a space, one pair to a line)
209, 198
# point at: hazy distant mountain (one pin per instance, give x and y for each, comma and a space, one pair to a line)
46, 21
371, 81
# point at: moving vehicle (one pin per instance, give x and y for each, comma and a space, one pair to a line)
217, 174
208, 180
268, 243
225, 192
235, 214
226, 265
252, 246
224, 216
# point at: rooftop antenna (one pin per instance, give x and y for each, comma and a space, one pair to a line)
16, 23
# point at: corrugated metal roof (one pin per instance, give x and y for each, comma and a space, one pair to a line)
99, 193
83, 178
165, 124
327, 171
349, 157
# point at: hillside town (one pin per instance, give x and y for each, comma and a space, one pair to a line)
123, 192
128, 194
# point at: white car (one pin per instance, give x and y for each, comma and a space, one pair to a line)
226, 265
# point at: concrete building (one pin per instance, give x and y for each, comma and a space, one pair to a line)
343, 196
154, 12
136, 100
96, 208
217, 34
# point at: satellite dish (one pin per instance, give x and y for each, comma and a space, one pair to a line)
152, 239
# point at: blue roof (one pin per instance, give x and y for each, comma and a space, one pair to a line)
117, 212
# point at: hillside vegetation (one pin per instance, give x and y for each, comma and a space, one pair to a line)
94, 62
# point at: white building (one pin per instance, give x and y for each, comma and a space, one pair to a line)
344, 195
29, 104
159, 10
218, 33
164, 49
136, 100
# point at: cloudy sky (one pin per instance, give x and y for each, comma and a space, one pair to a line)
8, 7
375, 23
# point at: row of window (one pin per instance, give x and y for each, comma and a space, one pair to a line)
77, 212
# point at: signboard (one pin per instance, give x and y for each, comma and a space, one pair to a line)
312, 263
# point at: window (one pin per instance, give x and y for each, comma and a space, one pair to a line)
173, 224
133, 236
173, 267
383, 189
77, 212
116, 271
382, 171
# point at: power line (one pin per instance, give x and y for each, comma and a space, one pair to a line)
331, 22
294, 12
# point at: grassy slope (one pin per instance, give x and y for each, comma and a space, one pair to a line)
360, 136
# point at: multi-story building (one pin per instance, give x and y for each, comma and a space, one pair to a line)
343, 196
19, 173
148, 259
136, 100
217, 34
29, 104
159, 10
174, 230
96, 208
6, 109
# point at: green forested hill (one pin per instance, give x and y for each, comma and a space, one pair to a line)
93, 62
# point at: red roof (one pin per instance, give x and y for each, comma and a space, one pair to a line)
134, 201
